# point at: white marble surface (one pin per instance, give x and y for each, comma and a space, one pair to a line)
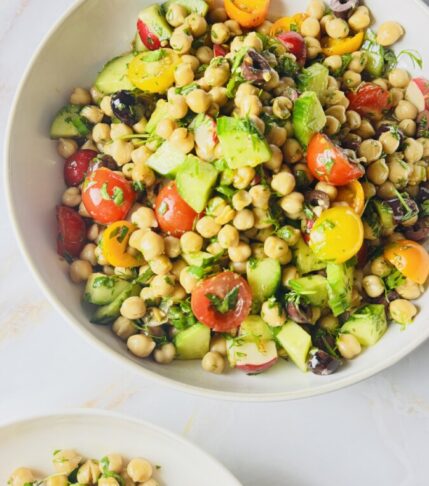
375, 433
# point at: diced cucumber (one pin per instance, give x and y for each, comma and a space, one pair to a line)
313, 287
367, 324
103, 289
160, 112
385, 215
195, 180
305, 259
68, 123
138, 45
108, 313
154, 19
375, 64
340, 286
314, 78
296, 342
193, 343
254, 328
264, 278
308, 117
242, 144
196, 6
114, 75
166, 160
196, 259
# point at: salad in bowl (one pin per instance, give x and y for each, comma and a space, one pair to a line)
241, 190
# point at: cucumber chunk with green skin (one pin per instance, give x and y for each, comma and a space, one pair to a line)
195, 180
195, 6
340, 286
108, 313
375, 64
69, 123
114, 75
264, 278
308, 117
160, 112
314, 78
154, 19
197, 258
193, 343
367, 324
242, 144
138, 45
305, 259
103, 289
313, 287
296, 342
385, 215
254, 328
166, 160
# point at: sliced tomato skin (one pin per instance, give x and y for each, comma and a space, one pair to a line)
220, 50
174, 215
369, 100
149, 39
71, 236
220, 285
327, 162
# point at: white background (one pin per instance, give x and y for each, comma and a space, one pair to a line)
375, 433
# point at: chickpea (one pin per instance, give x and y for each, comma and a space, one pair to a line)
207, 227
277, 135
183, 75
88, 473
243, 177
348, 346
57, 480
330, 190
250, 106
292, 204
273, 314
141, 345
20, 477
244, 220
213, 362
133, 308
65, 461
220, 33
406, 110
371, 150
66, 147
338, 112
409, 127
219, 96
191, 60
413, 150
139, 470
386, 190
329, 323
71, 197
144, 218
197, 24
333, 63
289, 273
217, 15
389, 33
310, 27
176, 15
241, 199
399, 78
181, 41
409, 290
140, 126
399, 171
396, 95
204, 54
358, 62
353, 119
337, 28
390, 142
378, 172
187, 280
332, 125
106, 106
218, 344
366, 130
217, 74
262, 220
191, 242
276, 160
244, 90
402, 311
182, 139
117, 130
265, 27
314, 47
225, 216
198, 100
234, 27
360, 20
88, 254
80, 96
292, 151
373, 286
277, 248
253, 41
228, 237
80, 271
283, 183
316, 9
124, 328
351, 79
161, 265
121, 151
239, 253
139, 156
380, 267
165, 354
236, 44
178, 107
260, 195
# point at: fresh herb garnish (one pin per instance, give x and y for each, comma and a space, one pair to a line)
226, 304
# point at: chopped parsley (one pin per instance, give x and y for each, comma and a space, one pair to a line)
226, 304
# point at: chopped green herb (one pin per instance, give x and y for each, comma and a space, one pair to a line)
226, 304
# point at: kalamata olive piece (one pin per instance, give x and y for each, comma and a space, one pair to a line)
351, 142
400, 212
125, 107
255, 68
300, 313
322, 363
318, 198
343, 8
418, 232
389, 127
423, 124
385, 299
102, 161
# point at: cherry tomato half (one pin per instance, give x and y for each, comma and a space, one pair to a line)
115, 242
220, 285
353, 195
337, 235
71, 232
248, 13
295, 44
107, 196
369, 100
76, 166
327, 162
410, 258
174, 215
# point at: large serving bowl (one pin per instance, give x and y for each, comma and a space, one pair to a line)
92, 32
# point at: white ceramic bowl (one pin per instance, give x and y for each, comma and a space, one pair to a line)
31, 442
92, 32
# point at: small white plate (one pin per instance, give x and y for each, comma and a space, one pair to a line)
93, 434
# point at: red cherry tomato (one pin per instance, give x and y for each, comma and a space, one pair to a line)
220, 285
327, 162
174, 215
149, 39
220, 50
369, 100
295, 44
76, 166
71, 232
107, 196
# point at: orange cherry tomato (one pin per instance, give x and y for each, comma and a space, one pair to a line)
114, 245
369, 100
338, 47
410, 258
353, 195
248, 13
286, 24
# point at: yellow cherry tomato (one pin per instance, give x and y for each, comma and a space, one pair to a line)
248, 13
153, 71
337, 235
115, 242
338, 47
286, 24
353, 195
410, 258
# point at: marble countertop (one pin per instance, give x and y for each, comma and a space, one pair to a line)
374, 433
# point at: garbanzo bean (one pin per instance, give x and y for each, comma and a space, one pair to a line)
187, 280
176, 15
244, 220
277, 248
213, 362
389, 32
239, 253
181, 41
360, 19
292, 151
371, 150
316, 9
21, 477
219, 33
337, 28
141, 345
405, 110
378, 172
228, 236
207, 227
402, 311
165, 354
124, 328
198, 100
66, 147
348, 346
191, 242
273, 314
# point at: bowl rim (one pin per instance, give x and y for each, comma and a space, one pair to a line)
109, 414
172, 383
